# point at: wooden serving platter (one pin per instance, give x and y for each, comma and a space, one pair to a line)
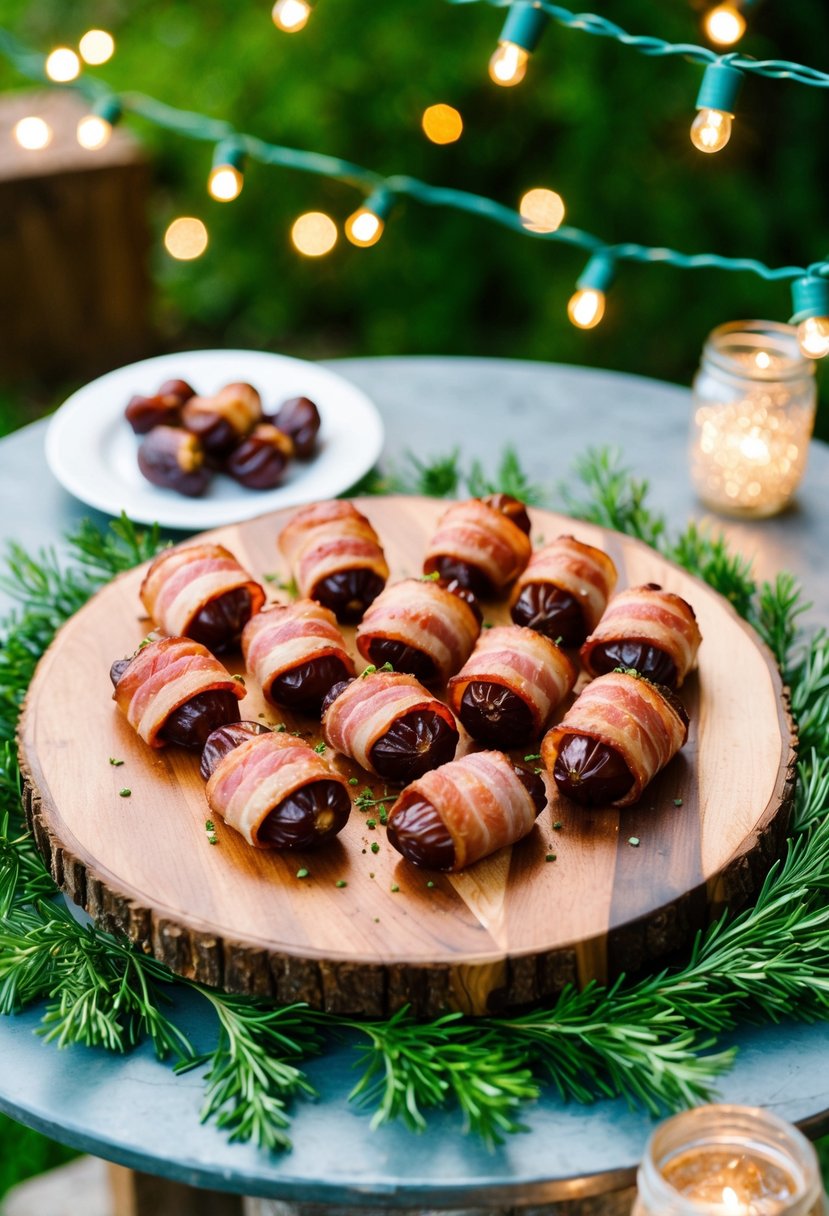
512, 930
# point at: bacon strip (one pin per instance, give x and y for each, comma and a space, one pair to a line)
254, 778
526, 663
586, 573
479, 535
162, 677
327, 537
365, 711
649, 614
481, 801
630, 715
180, 582
426, 617
286, 636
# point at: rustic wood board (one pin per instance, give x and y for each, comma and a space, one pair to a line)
512, 930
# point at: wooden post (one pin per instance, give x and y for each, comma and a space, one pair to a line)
74, 242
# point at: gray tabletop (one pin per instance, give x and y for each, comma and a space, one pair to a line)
132, 1110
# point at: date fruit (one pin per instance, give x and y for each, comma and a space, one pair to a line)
414, 744
496, 716
260, 460
551, 611
174, 460
220, 742
300, 419
348, 593
648, 660
591, 772
220, 622
513, 508
191, 724
309, 817
305, 687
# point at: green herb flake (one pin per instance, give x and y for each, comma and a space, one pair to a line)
375, 848
430, 884
633, 841
677, 802
550, 857
303, 873
321, 747
532, 756
488, 625
115, 763
353, 781
394, 888
280, 728
124, 793
430, 578
340, 883
384, 817
557, 826
240, 680
371, 823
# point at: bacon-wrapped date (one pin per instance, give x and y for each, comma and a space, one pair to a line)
201, 591
465, 810
300, 419
162, 409
297, 653
220, 422
390, 724
616, 737
564, 590
274, 789
173, 690
649, 630
424, 627
483, 543
336, 557
507, 691
260, 460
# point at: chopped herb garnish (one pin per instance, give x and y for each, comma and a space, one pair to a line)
276, 580
634, 841
209, 825
144, 642
115, 763
488, 625
340, 883
353, 781
125, 793
395, 887
532, 756
384, 816
375, 848
320, 748
557, 826
430, 884
430, 578
302, 873
677, 802
280, 727
559, 640
371, 823
550, 857
241, 679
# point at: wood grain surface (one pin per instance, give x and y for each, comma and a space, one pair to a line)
510, 931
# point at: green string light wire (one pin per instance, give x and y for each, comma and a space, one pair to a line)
589, 23
200, 127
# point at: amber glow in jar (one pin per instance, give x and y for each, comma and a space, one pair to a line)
753, 414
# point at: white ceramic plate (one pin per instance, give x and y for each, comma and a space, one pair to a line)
91, 449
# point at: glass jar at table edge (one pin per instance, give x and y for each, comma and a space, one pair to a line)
753, 412
716, 1131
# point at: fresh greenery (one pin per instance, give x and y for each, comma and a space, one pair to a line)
652, 1041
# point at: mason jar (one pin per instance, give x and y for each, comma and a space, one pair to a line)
754, 401
728, 1161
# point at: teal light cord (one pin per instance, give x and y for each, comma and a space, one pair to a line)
191, 125
589, 23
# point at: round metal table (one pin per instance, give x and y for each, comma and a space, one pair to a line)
133, 1110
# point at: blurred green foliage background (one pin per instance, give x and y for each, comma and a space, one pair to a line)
601, 124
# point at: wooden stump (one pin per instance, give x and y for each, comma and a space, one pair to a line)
74, 245
510, 931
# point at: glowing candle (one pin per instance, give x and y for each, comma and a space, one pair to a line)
728, 1161
754, 410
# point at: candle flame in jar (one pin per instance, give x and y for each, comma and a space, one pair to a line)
730, 1200
762, 359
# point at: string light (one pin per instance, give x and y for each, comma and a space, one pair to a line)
587, 305
810, 300
291, 16
95, 129
711, 129
365, 227
724, 24
185, 238
96, 47
541, 210
62, 65
32, 133
520, 36
442, 124
314, 234
227, 174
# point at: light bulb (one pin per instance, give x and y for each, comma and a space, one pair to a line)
93, 132
62, 65
96, 46
724, 25
314, 234
364, 228
225, 183
813, 337
508, 66
185, 238
711, 130
32, 133
442, 124
586, 307
291, 16
541, 210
